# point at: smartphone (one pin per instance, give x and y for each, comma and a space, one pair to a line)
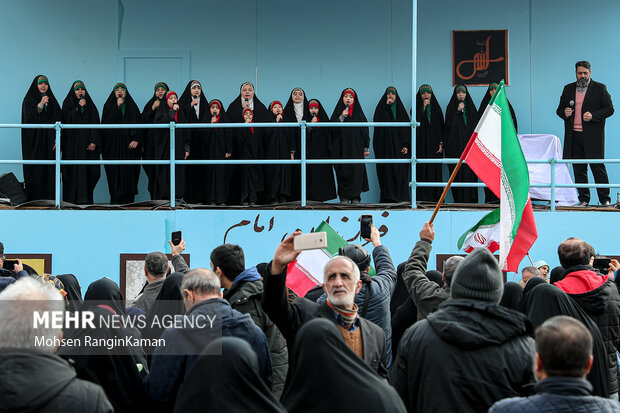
365, 224
176, 237
9, 264
311, 241
601, 264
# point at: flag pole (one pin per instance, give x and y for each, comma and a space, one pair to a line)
532, 262
445, 191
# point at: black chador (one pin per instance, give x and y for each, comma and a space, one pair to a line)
121, 144
79, 181
148, 135
320, 183
248, 179
392, 143
351, 143
39, 106
195, 107
461, 121
295, 111
429, 142
218, 146
277, 144
169, 111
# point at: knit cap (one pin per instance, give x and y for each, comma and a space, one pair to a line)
478, 277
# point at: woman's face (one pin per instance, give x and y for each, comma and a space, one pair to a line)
215, 110
43, 87
172, 99
492, 91
391, 97
196, 89
160, 92
120, 93
80, 92
348, 99
460, 95
426, 95
247, 116
314, 111
276, 109
247, 91
544, 270
297, 96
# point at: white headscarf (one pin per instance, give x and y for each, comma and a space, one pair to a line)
251, 101
299, 107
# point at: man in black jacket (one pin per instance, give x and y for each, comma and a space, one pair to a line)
563, 359
341, 280
584, 106
469, 353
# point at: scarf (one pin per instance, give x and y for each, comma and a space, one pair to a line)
348, 316
299, 110
176, 113
428, 113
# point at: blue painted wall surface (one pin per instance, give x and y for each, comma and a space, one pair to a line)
283, 44
88, 243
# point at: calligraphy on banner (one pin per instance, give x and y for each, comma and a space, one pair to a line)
479, 57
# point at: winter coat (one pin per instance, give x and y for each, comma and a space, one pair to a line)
427, 295
464, 357
381, 290
559, 395
289, 317
171, 363
599, 298
245, 296
35, 382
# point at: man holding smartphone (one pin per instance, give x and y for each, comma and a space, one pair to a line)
6, 275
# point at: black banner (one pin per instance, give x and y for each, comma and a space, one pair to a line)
479, 57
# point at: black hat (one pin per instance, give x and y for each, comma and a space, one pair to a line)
358, 254
478, 277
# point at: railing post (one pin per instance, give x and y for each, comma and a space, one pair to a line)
414, 158
552, 197
303, 163
172, 166
57, 127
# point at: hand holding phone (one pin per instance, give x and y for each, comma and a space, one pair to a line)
176, 237
311, 241
365, 224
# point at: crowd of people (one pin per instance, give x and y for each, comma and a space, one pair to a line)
248, 184
406, 339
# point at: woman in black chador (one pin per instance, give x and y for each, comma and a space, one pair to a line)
429, 139
39, 106
489, 197
169, 111
195, 107
277, 144
392, 143
148, 135
218, 145
461, 120
320, 183
79, 181
295, 111
248, 179
352, 143
121, 144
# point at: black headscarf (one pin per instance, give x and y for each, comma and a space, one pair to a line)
400, 290
104, 291
546, 301
357, 113
185, 101
73, 290
557, 274
513, 293
325, 375
148, 114
71, 105
529, 286
235, 109
288, 114
131, 111
457, 131
229, 382
485, 102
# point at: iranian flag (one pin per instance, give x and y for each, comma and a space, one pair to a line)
306, 272
494, 154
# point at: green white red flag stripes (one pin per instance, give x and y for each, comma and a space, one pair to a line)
494, 154
485, 234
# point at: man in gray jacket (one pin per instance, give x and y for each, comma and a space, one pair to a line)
373, 299
155, 269
426, 294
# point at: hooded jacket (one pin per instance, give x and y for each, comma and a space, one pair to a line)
599, 298
245, 296
37, 382
464, 357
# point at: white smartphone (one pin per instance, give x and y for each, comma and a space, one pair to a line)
311, 241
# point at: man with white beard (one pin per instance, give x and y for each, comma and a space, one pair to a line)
341, 281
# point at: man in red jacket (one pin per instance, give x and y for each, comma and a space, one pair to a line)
597, 294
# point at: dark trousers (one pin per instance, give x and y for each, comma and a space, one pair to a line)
581, 172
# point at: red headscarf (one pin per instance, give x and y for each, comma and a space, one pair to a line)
352, 93
176, 113
219, 105
249, 110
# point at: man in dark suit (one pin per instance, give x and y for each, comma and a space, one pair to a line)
584, 106
341, 281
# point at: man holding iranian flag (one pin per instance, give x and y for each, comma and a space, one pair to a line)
495, 155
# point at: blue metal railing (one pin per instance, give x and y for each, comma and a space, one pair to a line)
303, 161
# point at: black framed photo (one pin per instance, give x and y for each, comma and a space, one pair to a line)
479, 57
